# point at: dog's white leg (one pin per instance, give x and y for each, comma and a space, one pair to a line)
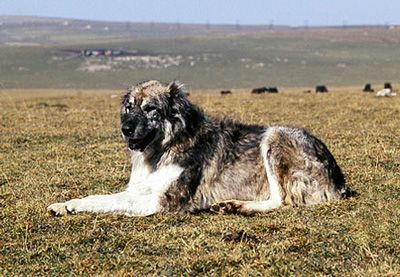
142, 198
244, 207
123, 203
247, 207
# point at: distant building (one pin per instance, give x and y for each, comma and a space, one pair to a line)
104, 52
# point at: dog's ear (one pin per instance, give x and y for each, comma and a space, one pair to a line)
125, 97
176, 88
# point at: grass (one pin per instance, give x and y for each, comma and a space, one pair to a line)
59, 144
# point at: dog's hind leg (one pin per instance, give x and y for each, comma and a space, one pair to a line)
300, 171
249, 207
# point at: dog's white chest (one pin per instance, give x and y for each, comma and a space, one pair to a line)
143, 181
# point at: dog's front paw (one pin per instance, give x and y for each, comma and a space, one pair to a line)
57, 209
61, 209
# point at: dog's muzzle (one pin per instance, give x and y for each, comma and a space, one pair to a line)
137, 141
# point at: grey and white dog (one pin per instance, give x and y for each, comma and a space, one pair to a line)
186, 161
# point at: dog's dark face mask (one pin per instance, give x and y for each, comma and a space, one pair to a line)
153, 113
141, 123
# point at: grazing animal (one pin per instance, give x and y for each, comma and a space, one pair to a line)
368, 88
259, 90
185, 161
321, 89
225, 92
272, 90
388, 85
385, 93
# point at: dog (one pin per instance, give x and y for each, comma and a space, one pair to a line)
186, 161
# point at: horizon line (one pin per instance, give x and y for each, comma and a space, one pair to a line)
207, 22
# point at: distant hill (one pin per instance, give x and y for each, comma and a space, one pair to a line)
46, 30
38, 52
43, 30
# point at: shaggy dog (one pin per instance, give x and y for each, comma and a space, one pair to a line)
186, 161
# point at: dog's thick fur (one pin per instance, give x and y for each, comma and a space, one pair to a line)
185, 161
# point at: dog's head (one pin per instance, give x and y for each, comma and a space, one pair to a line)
152, 112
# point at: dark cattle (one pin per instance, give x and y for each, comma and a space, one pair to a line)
224, 92
388, 85
368, 88
321, 89
273, 90
259, 90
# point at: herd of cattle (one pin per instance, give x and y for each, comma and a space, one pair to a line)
265, 90
386, 91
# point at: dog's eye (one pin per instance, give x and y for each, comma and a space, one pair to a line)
148, 109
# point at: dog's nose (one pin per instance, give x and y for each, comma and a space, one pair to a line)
127, 131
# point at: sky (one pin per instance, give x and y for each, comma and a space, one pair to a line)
282, 12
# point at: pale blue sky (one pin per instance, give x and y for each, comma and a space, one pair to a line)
287, 12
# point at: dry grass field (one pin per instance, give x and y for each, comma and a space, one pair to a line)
55, 145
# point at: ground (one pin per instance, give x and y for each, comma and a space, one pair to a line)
59, 144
